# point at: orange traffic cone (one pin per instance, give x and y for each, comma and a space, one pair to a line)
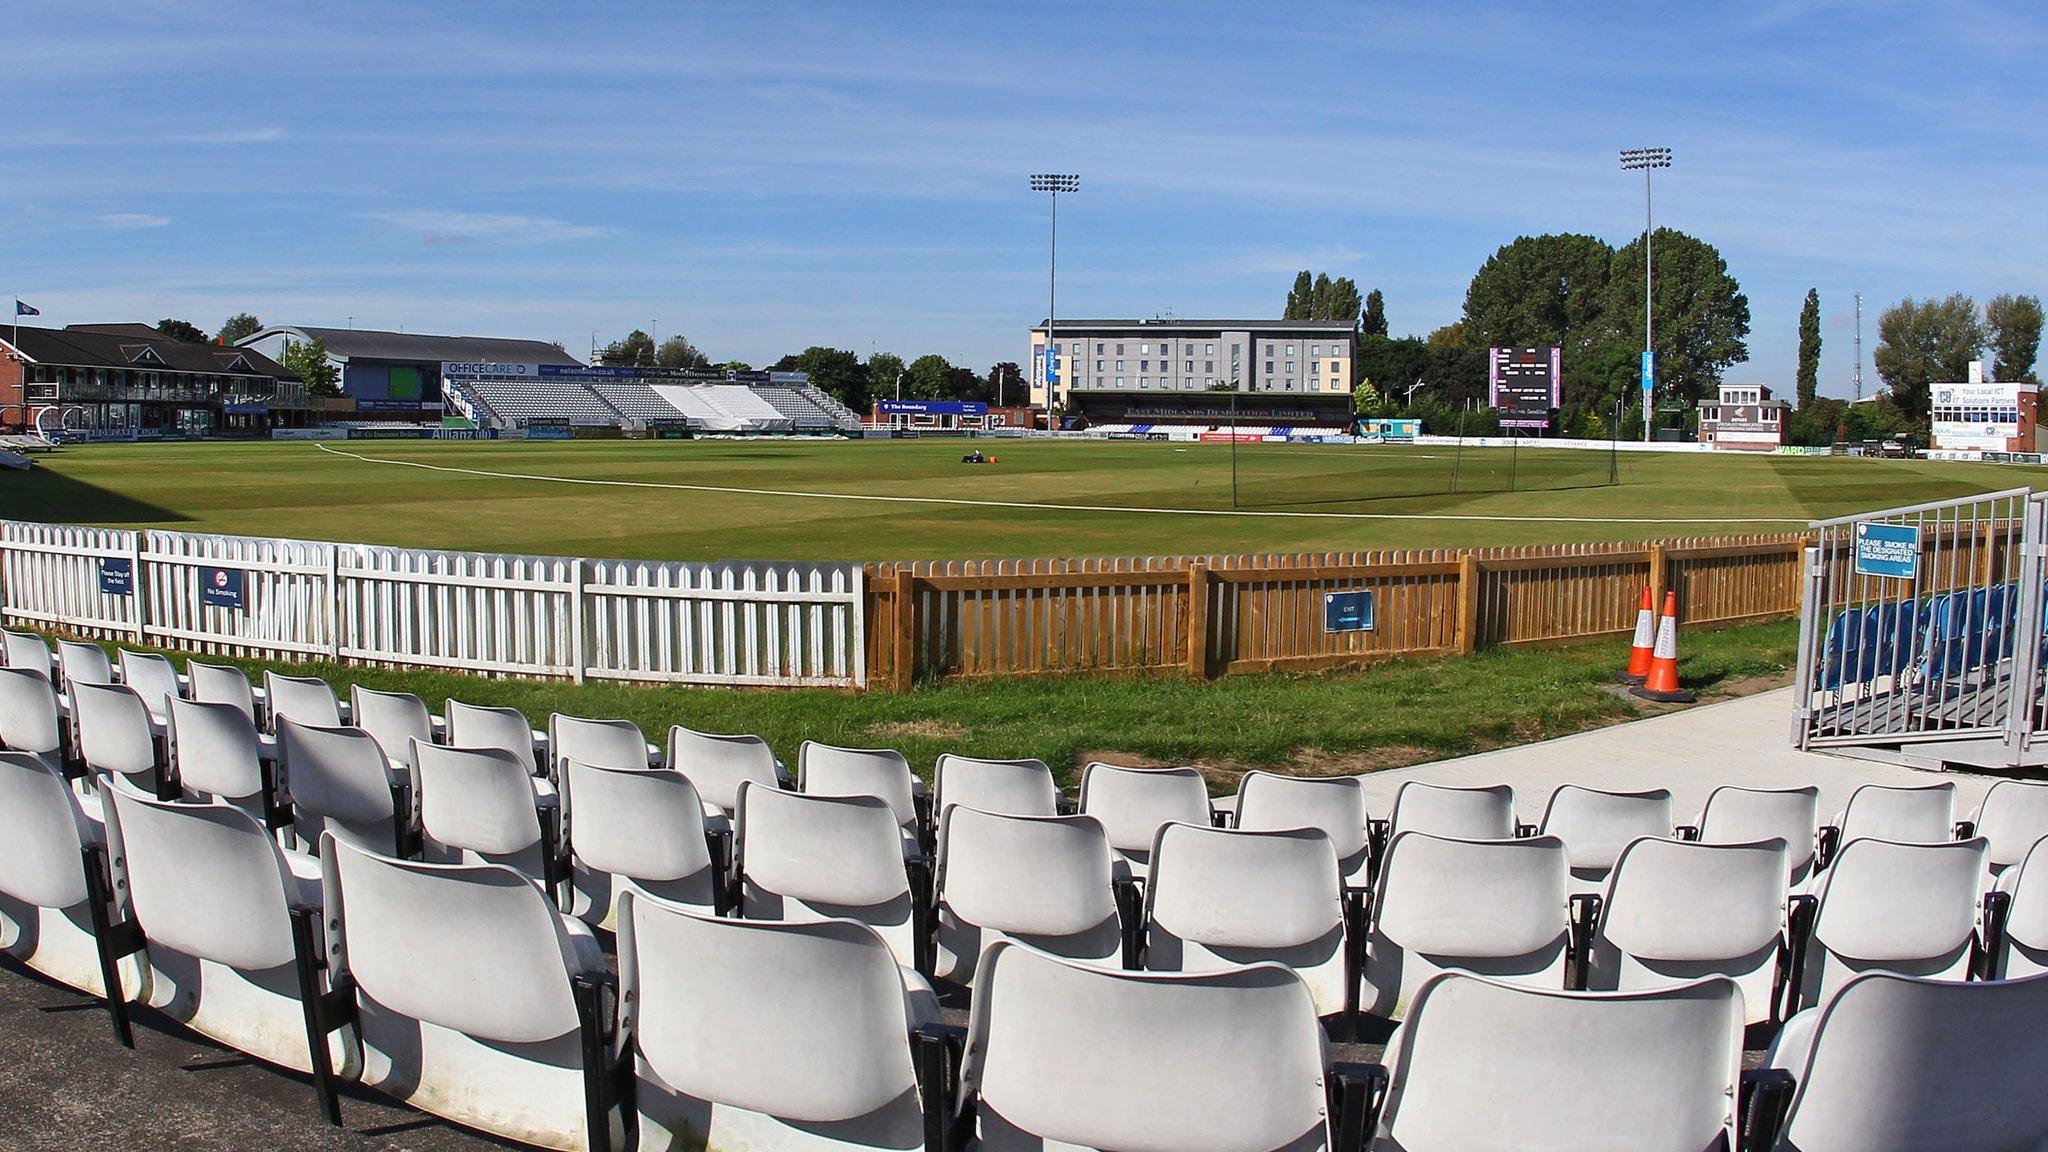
1662, 684
1639, 652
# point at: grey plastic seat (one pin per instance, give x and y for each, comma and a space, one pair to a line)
1897, 1064
1596, 825
812, 1031
1269, 802
485, 726
1885, 906
115, 733
823, 770
1489, 907
154, 678
82, 663
1457, 813
474, 999
215, 898
1041, 880
31, 720
1483, 1066
393, 719
221, 684
606, 743
634, 829
1008, 787
29, 652
718, 764
339, 781
1134, 803
1676, 911
47, 918
2019, 946
2012, 817
1061, 1054
1221, 898
479, 806
1922, 814
217, 757
799, 856
308, 700
1752, 815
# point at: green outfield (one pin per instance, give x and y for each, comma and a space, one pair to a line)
847, 500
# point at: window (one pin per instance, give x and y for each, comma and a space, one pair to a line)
1119, 364
1188, 366
1144, 365
1315, 349
1208, 365
1314, 366
1290, 349
1144, 381
1208, 349
1119, 381
1269, 367
1098, 347
1144, 347
1290, 383
1290, 366
1098, 365
1119, 349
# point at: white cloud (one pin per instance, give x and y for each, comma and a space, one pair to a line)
268, 134
439, 227
128, 221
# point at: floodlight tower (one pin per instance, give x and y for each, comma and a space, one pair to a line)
1645, 160
1054, 183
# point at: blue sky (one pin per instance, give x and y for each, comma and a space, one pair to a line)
763, 177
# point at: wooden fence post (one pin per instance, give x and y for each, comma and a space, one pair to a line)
1657, 577
1468, 603
903, 669
579, 575
1197, 627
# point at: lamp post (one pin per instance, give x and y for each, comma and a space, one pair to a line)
1646, 160
1054, 183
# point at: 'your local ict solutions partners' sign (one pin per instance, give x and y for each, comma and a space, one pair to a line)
1891, 550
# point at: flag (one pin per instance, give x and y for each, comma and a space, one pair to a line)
21, 309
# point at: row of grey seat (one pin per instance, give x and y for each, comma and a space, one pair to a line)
461, 987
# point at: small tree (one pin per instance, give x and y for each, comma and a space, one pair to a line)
1374, 321
238, 328
308, 361
1365, 399
1809, 348
677, 352
184, 330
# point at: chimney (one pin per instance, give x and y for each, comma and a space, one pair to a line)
1976, 372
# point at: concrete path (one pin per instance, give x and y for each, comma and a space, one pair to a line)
1745, 742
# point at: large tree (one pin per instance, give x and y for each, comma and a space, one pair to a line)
1702, 317
836, 371
184, 330
1006, 382
2015, 336
1319, 297
1391, 365
1374, 321
883, 369
1922, 342
635, 351
929, 377
1809, 348
1456, 368
238, 328
308, 361
1300, 298
678, 352
1540, 291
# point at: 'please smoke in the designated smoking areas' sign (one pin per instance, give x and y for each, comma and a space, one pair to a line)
1891, 550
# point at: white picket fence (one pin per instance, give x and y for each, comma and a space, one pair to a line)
551, 616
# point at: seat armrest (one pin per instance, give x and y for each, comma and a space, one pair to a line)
1525, 831
1964, 829
1991, 937
923, 924
1688, 832
936, 1052
1762, 1098
1130, 909
1585, 918
1826, 843
1798, 934
1357, 1093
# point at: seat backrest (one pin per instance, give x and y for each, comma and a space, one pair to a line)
1596, 825
1044, 876
306, 699
28, 652
28, 712
84, 663
1162, 1062
718, 764
1672, 900
1752, 815
2013, 816
1906, 908
216, 749
114, 734
1011, 787
809, 1016
1268, 802
335, 773
1471, 898
1244, 890
1457, 813
475, 799
204, 879
2025, 948
472, 947
221, 684
393, 719
1134, 803
1923, 814
1902, 1064
1482, 1066
647, 824
40, 838
839, 850
606, 743
824, 770
485, 726
153, 677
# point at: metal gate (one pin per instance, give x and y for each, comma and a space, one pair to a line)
1920, 630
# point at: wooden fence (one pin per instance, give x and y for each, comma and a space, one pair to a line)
1214, 615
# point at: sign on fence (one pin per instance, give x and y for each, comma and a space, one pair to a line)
1891, 550
1347, 611
220, 587
117, 576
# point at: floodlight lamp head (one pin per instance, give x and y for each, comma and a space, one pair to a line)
1637, 159
1055, 182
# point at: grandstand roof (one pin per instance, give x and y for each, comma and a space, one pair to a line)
137, 346
371, 344
1338, 326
